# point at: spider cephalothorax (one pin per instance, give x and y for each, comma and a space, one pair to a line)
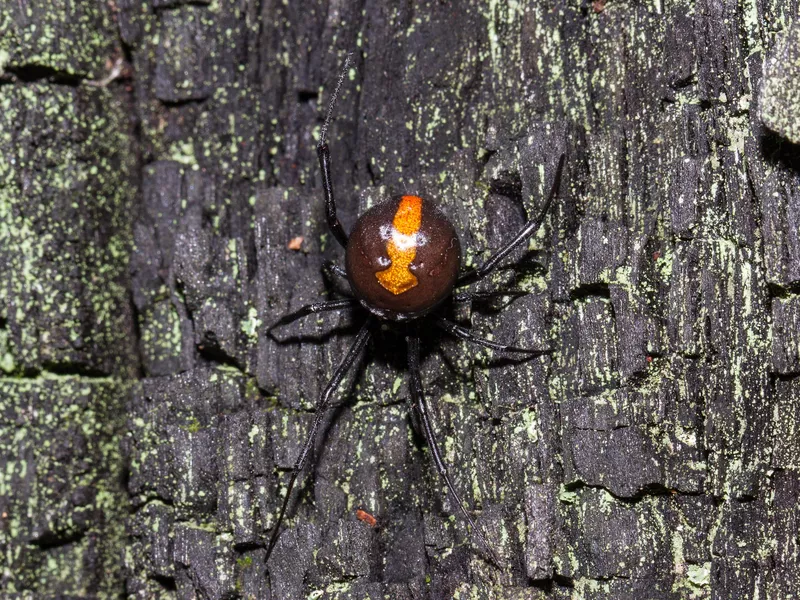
402, 262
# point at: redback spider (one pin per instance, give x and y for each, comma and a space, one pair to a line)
402, 262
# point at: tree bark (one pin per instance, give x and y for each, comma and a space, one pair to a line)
67, 336
652, 454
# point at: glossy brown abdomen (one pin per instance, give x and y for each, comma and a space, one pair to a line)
402, 258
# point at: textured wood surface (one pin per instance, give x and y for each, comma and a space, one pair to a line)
653, 454
67, 335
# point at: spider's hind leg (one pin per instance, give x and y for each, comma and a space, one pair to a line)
324, 403
421, 407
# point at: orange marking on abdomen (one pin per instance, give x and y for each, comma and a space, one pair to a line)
402, 247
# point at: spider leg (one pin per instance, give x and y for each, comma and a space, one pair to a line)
324, 156
470, 296
310, 309
322, 404
331, 267
421, 406
527, 231
465, 334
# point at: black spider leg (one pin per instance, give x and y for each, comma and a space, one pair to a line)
331, 267
465, 334
471, 296
310, 309
527, 231
324, 155
322, 405
421, 406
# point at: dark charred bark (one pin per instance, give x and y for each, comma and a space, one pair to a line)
653, 454
67, 337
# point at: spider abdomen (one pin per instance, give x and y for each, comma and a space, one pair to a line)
402, 258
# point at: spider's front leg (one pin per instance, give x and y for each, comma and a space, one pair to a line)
324, 155
334, 224
331, 268
527, 231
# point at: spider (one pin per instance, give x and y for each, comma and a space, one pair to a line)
402, 261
